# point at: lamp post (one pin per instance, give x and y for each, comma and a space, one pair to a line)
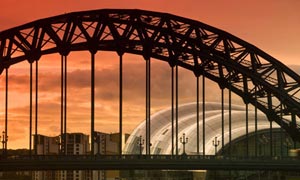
4, 141
2, 146
103, 140
216, 143
141, 143
97, 138
58, 142
98, 143
263, 140
287, 143
184, 141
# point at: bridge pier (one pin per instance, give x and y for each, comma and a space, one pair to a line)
281, 131
229, 114
6, 111
176, 109
247, 129
198, 132
148, 105
92, 102
203, 111
64, 104
30, 111
120, 102
222, 114
36, 105
34, 144
255, 121
172, 108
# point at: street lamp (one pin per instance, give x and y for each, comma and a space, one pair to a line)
216, 143
4, 142
287, 143
2, 146
58, 142
103, 141
98, 142
141, 143
184, 141
263, 141
97, 138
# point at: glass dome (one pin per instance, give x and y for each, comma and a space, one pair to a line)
161, 129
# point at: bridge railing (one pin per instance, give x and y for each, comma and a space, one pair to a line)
148, 157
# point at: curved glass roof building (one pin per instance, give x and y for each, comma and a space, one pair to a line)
161, 128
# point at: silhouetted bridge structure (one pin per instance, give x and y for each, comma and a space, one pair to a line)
146, 162
235, 65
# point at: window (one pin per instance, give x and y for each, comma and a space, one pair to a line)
77, 138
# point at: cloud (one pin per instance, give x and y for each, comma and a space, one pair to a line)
78, 99
106, 102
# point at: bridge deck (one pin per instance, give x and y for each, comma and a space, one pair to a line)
153, 162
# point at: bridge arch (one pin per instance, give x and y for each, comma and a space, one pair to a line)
227, 60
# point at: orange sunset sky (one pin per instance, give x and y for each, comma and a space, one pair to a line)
271, 25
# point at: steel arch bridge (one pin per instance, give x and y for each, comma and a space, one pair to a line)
232, 63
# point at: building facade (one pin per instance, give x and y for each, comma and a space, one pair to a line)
107, 144
46, 145
76, 144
